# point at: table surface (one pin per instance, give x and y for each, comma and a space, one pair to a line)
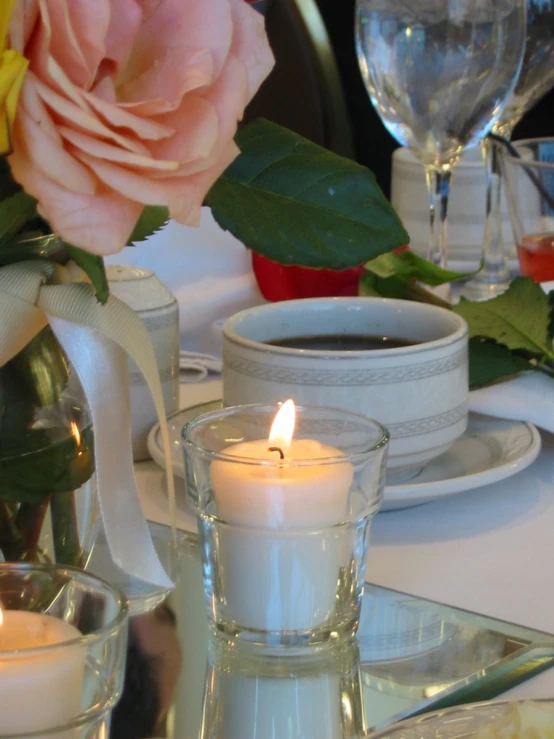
488, 550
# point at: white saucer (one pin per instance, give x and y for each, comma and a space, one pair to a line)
490, 450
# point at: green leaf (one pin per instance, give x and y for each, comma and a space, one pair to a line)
550, 297
93, 266
297, 203
8, 186
15, 211
53, 463
489, 362
408, 264
518, 319
152, 218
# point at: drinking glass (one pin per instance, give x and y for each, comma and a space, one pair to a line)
439, 74
534, 81
530, 191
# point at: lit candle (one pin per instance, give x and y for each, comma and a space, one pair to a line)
42, 689
281, 567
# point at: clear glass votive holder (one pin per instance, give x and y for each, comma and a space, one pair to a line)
63, 639
284, 540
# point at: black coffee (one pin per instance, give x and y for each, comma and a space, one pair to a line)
343, 342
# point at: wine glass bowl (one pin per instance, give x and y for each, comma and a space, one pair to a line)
537, 70
439, 74
438, 77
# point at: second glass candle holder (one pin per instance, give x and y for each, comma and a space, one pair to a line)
283, 519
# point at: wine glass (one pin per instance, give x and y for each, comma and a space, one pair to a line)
439, 73
535, 80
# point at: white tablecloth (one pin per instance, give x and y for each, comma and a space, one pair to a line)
490, 550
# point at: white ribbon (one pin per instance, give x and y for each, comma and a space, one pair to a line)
93, 336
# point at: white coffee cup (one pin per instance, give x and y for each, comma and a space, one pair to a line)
419, 392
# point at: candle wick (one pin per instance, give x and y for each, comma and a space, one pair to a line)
277, 449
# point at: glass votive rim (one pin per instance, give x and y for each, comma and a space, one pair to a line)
68, 571
353, 458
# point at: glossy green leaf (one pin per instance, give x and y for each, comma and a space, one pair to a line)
519, 318
409, 265
297, 203
152, 218
489, 362
44, 462
93, 266
15, 211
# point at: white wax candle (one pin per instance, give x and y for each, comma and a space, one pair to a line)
42, 689
281, 494
280, 561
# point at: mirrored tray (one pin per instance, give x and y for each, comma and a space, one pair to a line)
412, 656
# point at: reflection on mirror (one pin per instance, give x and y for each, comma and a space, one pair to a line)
411, 655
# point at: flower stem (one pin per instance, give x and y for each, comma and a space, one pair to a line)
29, 521
11, 542
65, 529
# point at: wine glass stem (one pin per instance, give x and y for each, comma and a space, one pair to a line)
494, 269
438, 186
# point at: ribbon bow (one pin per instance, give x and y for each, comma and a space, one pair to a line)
95, 338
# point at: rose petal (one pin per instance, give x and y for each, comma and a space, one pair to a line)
117, 115
62, 41
250, 43
126, 17
90, 22
175, 73
22, 24
184, 27
100, 224
30, 102
133, 185
196, 128
52, 159
201, 183
70, 112
102, 150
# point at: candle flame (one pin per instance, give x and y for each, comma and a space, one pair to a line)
75, 432
282, 427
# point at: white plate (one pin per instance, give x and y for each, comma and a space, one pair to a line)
490, 450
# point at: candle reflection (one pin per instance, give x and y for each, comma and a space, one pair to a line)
260, 699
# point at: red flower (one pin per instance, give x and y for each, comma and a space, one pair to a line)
280, 282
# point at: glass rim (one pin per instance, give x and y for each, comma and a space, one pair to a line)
270, 463
85, 639
529, 163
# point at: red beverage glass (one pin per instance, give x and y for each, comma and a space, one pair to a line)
536, 256
529, 180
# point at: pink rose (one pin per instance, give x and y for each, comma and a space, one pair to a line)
130, 103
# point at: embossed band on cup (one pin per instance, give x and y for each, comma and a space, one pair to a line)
382, 376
